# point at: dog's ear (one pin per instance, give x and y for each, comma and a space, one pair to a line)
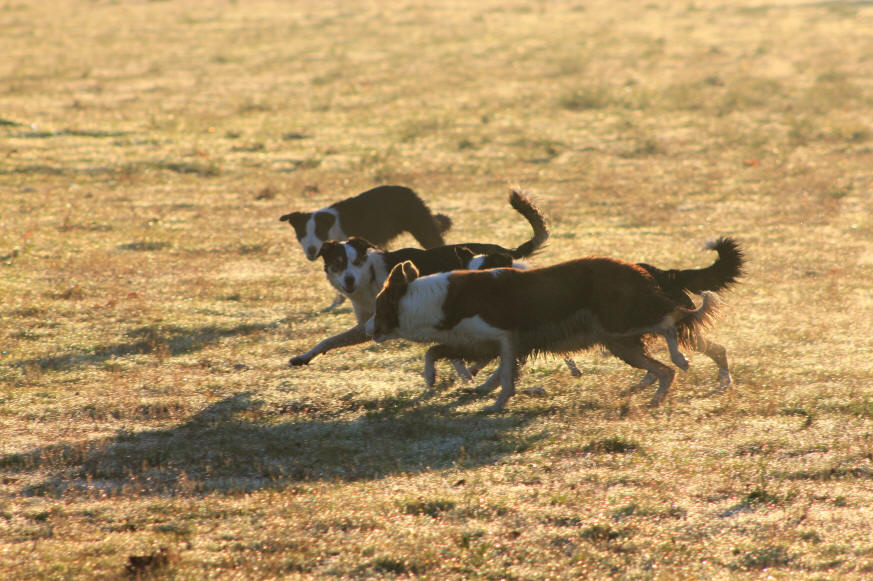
329, 249
402, 274
410, 272
361, 245
395, 282
464, 255
297, 220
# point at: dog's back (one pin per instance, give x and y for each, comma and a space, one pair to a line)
622, 295
384, 212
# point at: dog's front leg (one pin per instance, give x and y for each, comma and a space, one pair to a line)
508, 371
354, 336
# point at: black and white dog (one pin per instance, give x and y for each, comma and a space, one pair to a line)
513, 313
378, 215
358, 269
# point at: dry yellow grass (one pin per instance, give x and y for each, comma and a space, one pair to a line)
150, 299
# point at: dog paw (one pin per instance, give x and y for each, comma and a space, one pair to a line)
299, 360
724, 379
534, 391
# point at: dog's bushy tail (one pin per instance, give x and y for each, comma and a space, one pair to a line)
721, 274
690, 322
442, 222
522, 204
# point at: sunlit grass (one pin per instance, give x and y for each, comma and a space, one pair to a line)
150, 298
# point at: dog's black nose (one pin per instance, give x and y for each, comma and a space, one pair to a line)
311, 252
349, 283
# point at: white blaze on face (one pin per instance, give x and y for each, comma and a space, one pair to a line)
355, 274
312, 240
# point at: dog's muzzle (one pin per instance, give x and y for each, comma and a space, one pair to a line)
312, 253
349, 284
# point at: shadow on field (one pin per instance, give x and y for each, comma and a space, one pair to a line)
165, 340
222, 449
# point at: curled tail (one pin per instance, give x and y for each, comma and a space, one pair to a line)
721, 274
522, 204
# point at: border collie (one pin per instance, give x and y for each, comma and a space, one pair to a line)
379, 215
676, 284
513, 313
357, 269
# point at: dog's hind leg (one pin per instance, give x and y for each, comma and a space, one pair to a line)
668, 331
492, 382
711, 349
508, 371
479, 365
718, 354
632, 352
437, 352
647, 380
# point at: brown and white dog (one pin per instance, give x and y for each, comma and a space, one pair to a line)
513, 313
358, 269
676, 284
379, 215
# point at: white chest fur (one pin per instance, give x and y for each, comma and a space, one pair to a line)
421, 312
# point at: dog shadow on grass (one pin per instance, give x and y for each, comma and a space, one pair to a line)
239, 445
158, 340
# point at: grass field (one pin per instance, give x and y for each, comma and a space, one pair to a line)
150, 298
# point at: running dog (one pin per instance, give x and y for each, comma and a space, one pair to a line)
358, 269
676, 284
513, 313
379, 215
